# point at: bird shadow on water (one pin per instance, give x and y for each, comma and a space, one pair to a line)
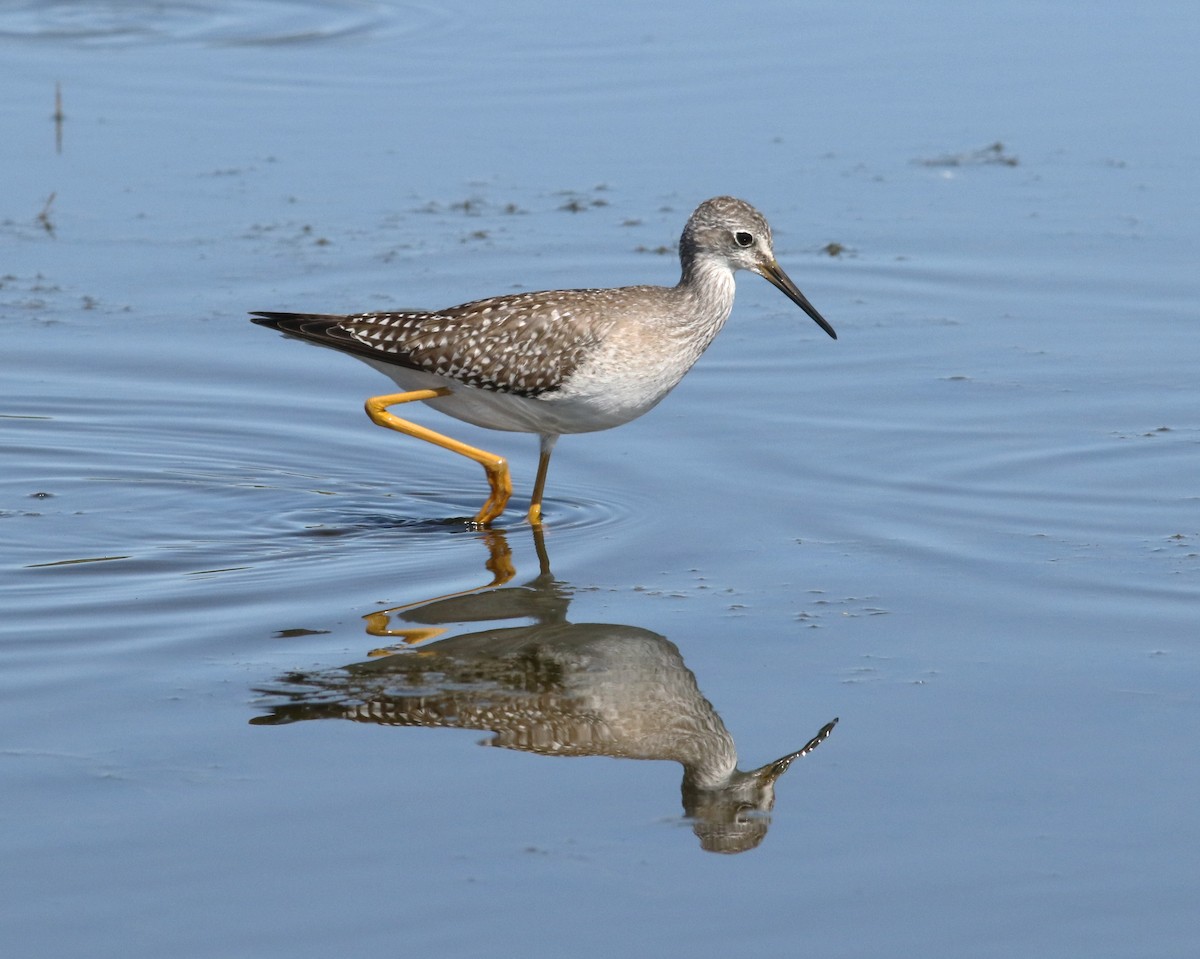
550, 687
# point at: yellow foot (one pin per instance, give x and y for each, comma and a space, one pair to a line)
500, 483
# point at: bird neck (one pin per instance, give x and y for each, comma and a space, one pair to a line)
707, 282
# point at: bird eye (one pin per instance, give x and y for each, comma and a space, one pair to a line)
743, 238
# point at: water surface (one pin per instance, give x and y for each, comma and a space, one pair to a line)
970, 528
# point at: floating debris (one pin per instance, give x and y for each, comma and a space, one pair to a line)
58, 116
44, 217
993, 154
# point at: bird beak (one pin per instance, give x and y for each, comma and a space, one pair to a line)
773, 273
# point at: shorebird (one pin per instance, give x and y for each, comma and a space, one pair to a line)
558, 361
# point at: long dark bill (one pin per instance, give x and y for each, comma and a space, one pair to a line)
773, 273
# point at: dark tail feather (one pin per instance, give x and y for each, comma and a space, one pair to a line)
295, 323
323, 329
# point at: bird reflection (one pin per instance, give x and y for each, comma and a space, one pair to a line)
552, 687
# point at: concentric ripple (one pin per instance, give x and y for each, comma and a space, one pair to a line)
236, 23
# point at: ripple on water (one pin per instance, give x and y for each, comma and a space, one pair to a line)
220, 22
157, 496
356, 511
1102, 516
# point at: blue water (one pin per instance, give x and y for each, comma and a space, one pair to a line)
970, 528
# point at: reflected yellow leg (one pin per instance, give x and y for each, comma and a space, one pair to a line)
499, 564
496, 467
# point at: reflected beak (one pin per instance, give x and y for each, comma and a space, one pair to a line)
773, 273
766, 775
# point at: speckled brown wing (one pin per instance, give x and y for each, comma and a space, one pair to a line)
525, 345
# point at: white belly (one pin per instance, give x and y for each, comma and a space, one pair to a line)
554, 413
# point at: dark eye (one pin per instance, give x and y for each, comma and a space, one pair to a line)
743, 238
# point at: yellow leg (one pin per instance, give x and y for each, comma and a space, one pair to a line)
496, 467
539, 486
